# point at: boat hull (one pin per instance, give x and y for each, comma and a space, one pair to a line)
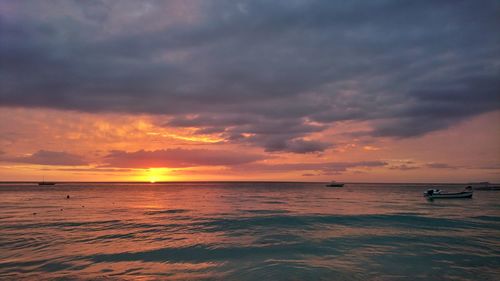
335, 185
460, 195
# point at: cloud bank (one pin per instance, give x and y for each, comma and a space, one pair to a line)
264, 73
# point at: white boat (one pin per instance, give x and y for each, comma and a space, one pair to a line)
439, 194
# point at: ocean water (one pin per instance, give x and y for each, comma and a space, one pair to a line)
246, 231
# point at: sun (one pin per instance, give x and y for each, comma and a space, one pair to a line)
154, 175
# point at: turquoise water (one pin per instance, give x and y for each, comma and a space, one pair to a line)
246, 231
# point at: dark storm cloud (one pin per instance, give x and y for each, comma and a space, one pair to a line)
298, 146
177, 158
440, 104
278, 135
410, 67
44, 157
272, 134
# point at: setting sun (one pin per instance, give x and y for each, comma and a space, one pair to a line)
155, 175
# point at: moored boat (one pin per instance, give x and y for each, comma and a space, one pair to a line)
43, 182
438, 194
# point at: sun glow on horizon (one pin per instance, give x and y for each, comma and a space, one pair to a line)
154, 175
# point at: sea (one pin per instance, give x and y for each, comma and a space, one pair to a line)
246, 231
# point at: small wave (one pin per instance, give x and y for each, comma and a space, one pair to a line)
274, 202
488, 218
266, 211
55, 266
61, 224
315, 221
202, 253
110, 237
171, 211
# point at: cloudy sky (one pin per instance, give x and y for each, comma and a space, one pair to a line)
250, 90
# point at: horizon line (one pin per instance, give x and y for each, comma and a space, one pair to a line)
232, 181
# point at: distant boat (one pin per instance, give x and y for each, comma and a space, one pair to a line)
335, 184
484, 186
439, 194
43, 182
46, 183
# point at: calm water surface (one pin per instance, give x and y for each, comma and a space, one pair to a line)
246, 231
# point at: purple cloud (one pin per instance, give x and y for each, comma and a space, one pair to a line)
177, 158
404, 167
44, 157
328, 168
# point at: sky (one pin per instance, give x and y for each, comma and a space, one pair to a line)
292, 90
